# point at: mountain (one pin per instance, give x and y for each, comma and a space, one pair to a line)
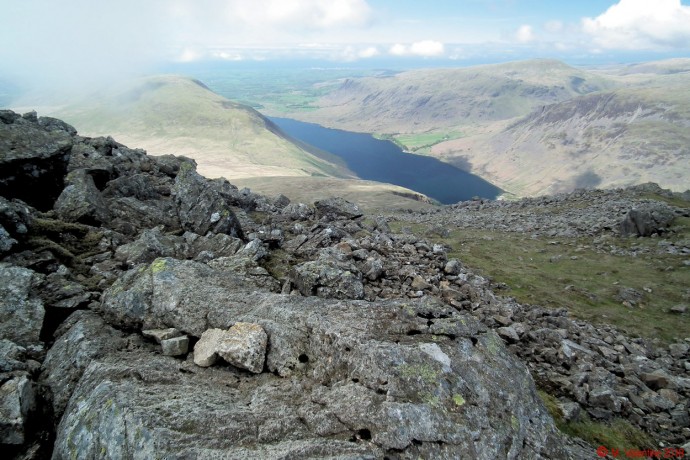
439, 99
149, 312
607, 139
172, 114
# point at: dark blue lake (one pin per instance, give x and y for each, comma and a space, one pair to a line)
383, 161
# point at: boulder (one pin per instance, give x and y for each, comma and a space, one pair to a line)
243, 346
328, 278
81, 201
176, 346
83, 337
356, 374
33, 161
646, 220
21, 310
17, 401
337, 207
201, 206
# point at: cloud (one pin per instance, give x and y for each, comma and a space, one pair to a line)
311, 14
424, 48
641, 24
525, 34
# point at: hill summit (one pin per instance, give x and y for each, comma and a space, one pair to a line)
150, 312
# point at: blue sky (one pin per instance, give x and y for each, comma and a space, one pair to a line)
94, 38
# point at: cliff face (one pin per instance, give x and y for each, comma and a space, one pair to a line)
149, 312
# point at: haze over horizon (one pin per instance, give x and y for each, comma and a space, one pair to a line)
61, 45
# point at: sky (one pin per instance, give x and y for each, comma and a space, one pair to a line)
73, 40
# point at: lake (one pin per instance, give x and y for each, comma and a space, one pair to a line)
383, 161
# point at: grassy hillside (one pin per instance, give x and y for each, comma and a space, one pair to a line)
171, 114
438, 102
612, 138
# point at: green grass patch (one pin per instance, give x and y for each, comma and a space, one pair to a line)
420, 143
617, 434
573, 274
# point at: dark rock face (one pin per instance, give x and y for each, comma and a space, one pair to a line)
33, 159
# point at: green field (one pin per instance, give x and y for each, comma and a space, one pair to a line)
420, 143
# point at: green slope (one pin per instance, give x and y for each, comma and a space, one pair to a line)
445, 100
178, 115
607, 139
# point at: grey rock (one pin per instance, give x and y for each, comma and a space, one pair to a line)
151, 244
298, 211
352, 376
198, 200
206, 349
571, 411
452, 267
328, 278
646, 221
337, 207
33, 161
21, 311
508, 334
176, 346
243, 346
6, 241
17, 401
679, 309
604, 398
82, 338
161, 334
81, 201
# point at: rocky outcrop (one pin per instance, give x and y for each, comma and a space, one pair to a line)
150, 314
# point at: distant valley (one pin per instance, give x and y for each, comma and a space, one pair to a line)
530, 127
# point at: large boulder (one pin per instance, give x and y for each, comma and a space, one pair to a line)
33, 159
21, 310
17, 401
379, 374
81, 201
337, 207
201, 206
329, 279
646, 221
83, 337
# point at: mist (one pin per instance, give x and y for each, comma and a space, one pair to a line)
53, 50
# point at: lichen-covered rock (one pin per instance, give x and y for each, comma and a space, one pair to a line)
17, 401
21, 311
81, 201
82, 338
380, 372
201, 205
328, 278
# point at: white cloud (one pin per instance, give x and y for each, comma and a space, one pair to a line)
641, 24
369, 52
398, 50
427, 48
311, 14
525, 34
424, 48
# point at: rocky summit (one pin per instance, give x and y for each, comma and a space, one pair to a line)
149, 312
